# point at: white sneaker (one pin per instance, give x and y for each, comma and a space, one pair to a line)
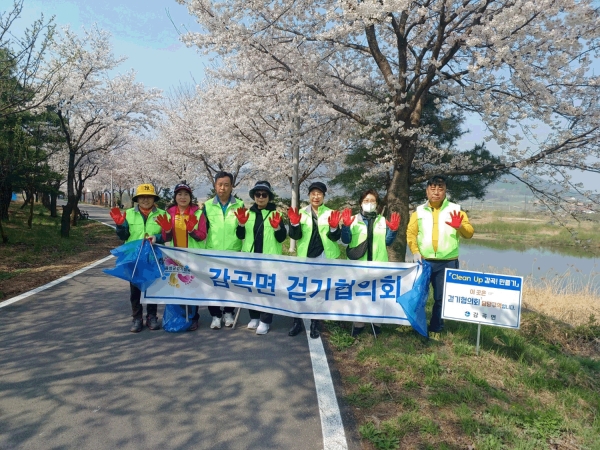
228, 319
253, 324
263, 328
216, 323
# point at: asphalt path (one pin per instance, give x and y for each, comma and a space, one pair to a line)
73, 376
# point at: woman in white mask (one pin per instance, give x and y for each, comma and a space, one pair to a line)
368, 235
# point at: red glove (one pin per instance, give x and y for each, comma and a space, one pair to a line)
115, 213
294, 216
334, 219
456, 219
394, 222
164, 222
191, 223
242, 215
347, 217
275, 220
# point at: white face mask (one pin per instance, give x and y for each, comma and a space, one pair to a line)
368, 207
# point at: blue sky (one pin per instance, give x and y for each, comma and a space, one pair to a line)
141, 30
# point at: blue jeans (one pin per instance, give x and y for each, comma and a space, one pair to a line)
436, 323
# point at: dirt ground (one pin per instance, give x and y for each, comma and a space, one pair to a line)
24, 280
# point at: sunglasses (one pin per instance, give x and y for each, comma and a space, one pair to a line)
261, 194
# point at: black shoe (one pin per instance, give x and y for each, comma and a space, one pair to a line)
152, 323
296, 328
136, 326
193, 326
356, 330
314, 329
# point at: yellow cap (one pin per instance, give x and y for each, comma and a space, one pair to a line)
145, 189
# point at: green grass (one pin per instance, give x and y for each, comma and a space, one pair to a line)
527, 389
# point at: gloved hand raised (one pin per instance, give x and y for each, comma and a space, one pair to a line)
294, 216
394, 222
242, 215
164, 222
334, 219
275, 220
116, 215
191, 223
456, 220
347, 217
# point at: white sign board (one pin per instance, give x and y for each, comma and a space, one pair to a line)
484, 298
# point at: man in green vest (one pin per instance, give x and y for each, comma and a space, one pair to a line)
134, 224
433, 235
221, 226
316, 231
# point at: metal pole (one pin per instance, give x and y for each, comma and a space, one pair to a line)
478, 334
111, 190
295, 162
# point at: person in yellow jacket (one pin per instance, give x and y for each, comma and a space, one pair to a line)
433, 235
261, 228
137, 223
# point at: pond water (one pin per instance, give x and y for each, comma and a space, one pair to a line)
487, 256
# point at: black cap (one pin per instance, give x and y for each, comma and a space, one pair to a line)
183, 186
317, 185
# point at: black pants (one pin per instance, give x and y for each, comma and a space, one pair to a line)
137, 309
215, 311
438, 269
263, 316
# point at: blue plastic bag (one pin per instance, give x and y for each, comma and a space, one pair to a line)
174, 318
413, 302
136, 262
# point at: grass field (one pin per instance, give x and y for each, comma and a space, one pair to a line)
536, 229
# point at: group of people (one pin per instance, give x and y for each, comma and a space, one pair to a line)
224, 223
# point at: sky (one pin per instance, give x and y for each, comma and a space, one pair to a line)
146, 31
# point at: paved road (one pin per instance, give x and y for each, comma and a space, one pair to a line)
73, 376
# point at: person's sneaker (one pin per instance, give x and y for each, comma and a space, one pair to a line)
253, 324
263, 328
193, 326
136, 325
152, 323
228, 319
216, 323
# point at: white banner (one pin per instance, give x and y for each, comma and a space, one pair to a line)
299, 287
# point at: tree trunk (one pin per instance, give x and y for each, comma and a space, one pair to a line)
398, 201
5, 199
65, 222
3, 234
30, 218
53, 197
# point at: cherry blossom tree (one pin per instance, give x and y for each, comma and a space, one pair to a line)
523, 68
98, 111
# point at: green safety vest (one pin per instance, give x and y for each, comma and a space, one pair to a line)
137, 228
332, 250
270, 244
221, 232
447, 246
359, 235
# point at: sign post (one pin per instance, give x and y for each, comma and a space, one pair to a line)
482, 298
